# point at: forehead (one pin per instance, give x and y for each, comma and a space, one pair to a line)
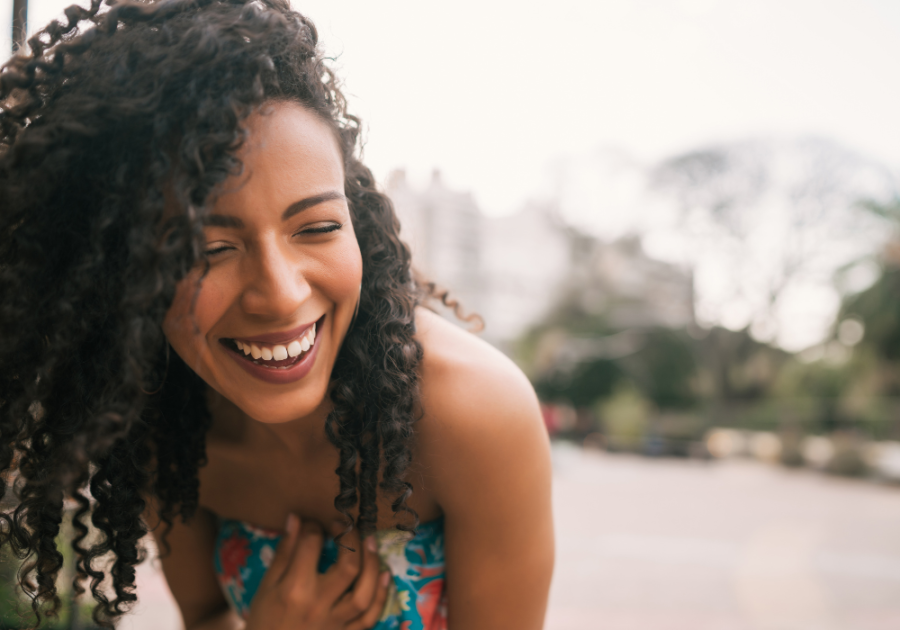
290, 153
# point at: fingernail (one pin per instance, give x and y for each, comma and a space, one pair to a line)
385, 578
371, 545
291, 525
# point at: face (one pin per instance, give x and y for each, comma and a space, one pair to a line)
284, 272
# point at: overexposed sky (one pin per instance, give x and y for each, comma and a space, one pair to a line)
491, 92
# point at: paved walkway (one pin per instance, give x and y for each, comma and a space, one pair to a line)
737, 545
681, 545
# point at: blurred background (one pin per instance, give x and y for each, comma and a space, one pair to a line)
681, 218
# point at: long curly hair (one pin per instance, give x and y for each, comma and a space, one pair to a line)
107, 111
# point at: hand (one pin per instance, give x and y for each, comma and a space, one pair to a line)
294, 596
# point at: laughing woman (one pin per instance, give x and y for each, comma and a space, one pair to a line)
209, 330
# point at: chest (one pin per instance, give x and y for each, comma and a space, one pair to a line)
263, 487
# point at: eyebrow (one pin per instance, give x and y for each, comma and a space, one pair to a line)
227, 221
309, 202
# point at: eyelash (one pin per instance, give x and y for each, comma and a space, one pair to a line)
213, 252
322, 230
319, 230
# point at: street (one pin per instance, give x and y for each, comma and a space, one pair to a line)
672, 544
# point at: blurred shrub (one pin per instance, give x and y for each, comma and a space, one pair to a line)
582, 386
625, 417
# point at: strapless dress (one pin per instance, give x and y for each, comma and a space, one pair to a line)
416, 600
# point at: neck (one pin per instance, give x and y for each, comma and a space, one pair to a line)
299, 437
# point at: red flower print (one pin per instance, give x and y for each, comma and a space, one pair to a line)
233, 554
427, 600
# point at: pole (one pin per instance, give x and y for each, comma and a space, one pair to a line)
19, 24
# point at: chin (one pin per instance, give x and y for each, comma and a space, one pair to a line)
284, 409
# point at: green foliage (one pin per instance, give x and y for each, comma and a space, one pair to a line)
625, 417
581, 387
664, 369
665, 382
878, 307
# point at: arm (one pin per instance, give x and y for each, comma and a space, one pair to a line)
489, 458
188, 570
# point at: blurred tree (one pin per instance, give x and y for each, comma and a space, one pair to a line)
765, 223
581, 387
878, 307
664, 368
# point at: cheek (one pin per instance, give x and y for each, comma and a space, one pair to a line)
342, 271
194, 310
353, 268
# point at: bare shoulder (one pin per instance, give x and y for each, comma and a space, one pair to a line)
484, 457
481, 416
465, 379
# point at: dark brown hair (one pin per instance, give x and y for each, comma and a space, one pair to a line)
105, 112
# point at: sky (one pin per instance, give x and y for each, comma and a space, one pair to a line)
492, 93
509, 99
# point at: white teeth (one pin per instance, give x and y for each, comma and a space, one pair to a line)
279, 352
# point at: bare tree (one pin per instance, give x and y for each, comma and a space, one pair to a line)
771, 219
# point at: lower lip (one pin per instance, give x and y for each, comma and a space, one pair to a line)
281, 376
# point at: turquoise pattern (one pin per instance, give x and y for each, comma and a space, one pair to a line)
417, 598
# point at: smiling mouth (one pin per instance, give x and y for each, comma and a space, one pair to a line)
275, 356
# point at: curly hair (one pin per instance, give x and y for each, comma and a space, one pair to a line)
106, 112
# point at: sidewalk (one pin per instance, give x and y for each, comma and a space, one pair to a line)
732, 545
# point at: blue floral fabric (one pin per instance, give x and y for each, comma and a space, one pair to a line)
416, 600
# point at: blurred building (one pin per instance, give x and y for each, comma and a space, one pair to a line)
445, 230
509, 269
631, 290
514, 270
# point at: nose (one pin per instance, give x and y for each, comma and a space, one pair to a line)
275, 286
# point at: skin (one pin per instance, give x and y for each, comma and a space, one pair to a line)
481, 456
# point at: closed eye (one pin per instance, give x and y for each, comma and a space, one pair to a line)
216, 250
322, 229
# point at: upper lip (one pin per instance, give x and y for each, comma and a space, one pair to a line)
280, 337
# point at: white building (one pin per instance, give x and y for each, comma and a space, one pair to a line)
509, 270
512, 270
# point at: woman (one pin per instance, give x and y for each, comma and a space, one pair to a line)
209, 329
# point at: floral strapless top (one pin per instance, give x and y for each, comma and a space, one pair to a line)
416, 600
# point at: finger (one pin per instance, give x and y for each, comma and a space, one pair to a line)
283, 552
371, 616
359, 599
340, 576
302, 569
